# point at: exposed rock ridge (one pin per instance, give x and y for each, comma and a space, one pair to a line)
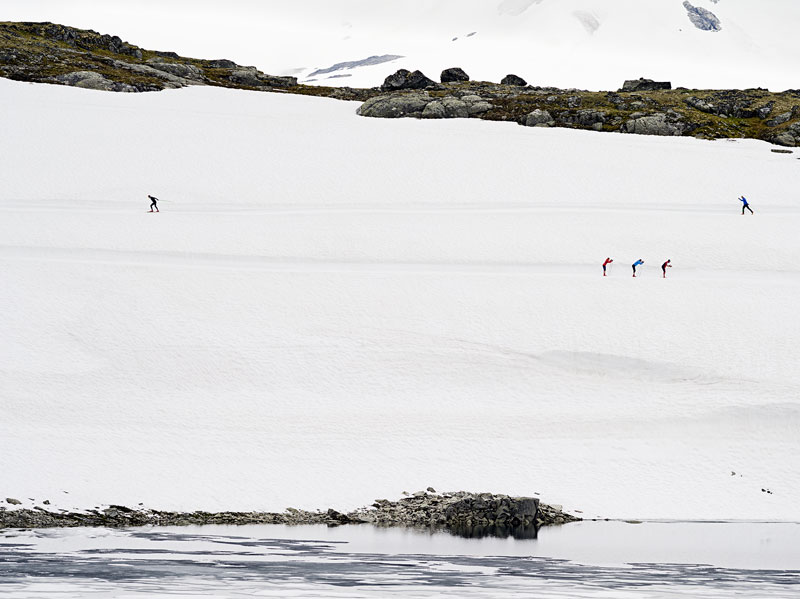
421, 509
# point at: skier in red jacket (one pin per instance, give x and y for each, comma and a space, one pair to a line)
606, 263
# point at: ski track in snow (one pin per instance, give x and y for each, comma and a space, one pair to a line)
331, 309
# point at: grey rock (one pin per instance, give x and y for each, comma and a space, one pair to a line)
539, 117
644, 85
790, 137
403, 79
434, 110
222, 63
766, 110
590, 117
92, 80
702, 18
476, 104
701, 105
431, 490
454, 108
185, 71
396, 105
13, 501
513, 80
252, 77
574, 101
782, 118
453, 75
655, 124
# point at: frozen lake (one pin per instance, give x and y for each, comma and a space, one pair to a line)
588, 559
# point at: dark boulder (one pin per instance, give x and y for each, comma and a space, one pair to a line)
222, 63
513, 80
453, 75
403, 79
644, 85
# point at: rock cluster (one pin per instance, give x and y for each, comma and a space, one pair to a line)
460, 509
404, 79
740, 104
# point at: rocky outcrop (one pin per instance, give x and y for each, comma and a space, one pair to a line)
446, 108
539, 118
702, 18
422, 509
184, 71
396, 105
644, 85
423, 105
780, 119
731, 103
453, 75
661, 123
86, 39
45, 52
92, 80
789, 137
404, 79
252, 77
476, 105
513, 80
460, 509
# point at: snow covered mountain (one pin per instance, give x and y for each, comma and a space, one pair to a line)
590, 44
583, 43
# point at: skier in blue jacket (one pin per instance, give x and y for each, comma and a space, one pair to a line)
745, 205
639, 262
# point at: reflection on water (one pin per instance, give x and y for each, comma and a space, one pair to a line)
313, 561
500, 531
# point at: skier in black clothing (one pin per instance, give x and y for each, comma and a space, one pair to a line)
153, 203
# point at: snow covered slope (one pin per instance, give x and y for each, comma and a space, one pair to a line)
590, 44
330, 309
580, 43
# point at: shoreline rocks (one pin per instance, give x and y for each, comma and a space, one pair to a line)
461, 510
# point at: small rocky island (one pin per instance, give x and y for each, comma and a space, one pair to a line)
52, 53
461, 512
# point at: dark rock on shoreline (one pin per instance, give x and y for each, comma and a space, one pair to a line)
423, 509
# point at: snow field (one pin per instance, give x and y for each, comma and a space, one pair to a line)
331, 309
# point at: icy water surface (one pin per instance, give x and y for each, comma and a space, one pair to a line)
587, 559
